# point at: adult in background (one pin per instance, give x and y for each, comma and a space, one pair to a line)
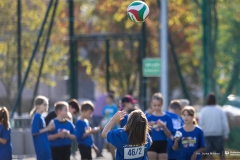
214, 124
73, 109
97, 119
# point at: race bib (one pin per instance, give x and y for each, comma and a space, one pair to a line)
133, 152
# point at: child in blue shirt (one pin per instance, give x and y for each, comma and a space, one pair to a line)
190, 142
161, 129
108, 111
173, 110
84, 131
39, 129
63, 134
5, 135
132, 141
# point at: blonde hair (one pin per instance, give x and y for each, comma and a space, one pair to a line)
39, 100
59, 105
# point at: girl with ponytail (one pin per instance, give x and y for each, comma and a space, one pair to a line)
189, 139
39, 129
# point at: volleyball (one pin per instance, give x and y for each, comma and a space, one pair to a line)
138, 11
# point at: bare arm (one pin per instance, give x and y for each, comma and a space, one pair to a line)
117, 117
175, 145
93, 131
3, 141
71, 136
167, 132
108, 127
46, 129
52, 137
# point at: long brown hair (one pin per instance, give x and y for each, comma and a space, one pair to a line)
4, 117
191, 112
137, 128
39, 100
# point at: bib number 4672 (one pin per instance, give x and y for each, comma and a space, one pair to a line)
133, 152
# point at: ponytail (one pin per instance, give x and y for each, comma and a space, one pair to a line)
33, 111
38, 101
195, 121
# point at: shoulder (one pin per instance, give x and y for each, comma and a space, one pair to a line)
172, 115
180, 129
167, 116
80, 122
150, 116
198, 129
36, 116
70, 123
118, 132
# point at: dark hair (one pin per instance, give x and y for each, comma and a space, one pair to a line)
74, 104
111, 92
4, 115
191, 112
87, 105
39, 100
175, 104
158, 96
211, 99
60, 105
137, 128
110, 96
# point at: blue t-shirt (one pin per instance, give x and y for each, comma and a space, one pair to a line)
123, 122
119, 138
108, 113
59, 126
40, 141
147, 114
190, 142
5, 149
177, 123
157, 133
81, 127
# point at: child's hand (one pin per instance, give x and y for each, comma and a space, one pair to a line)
93, 131
61, 134
194, 156
151, 123
160, 123
118, 116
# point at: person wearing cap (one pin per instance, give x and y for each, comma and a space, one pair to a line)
128, 105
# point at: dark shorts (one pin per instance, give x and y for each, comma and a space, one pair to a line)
214, 143
159, 147
85, 151
61, 153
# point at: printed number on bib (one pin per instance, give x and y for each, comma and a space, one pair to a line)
133, 152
